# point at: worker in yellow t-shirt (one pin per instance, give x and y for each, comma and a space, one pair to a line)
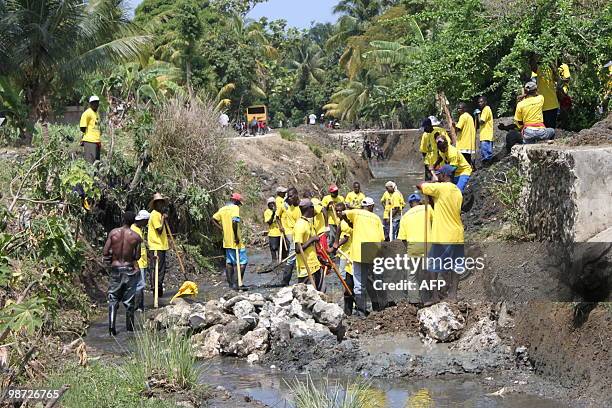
446, 257
415, 232
448, 154
274, 232
394, 203
343, 247
90, 126
485, 119
428, 148
305, 239
466, 140
157, 238
290, 213
551, 83
368, 234
141, 220
529, 117
354, 198
332, 218
228, 220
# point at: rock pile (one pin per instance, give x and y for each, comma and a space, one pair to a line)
249, 325
440, 322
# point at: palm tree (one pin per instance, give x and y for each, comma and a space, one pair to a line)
52, 43
349, 103
362, 10
307, 65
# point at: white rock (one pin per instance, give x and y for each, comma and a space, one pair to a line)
328, 314
296, 310
207, 344
480, 337
303, 328
243, 308
252, 358
440, 322
255, 341
307, 295
283, 297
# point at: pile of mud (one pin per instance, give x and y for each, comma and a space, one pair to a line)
395, 319
599, 134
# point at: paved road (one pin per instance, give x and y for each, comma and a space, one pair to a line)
268, 136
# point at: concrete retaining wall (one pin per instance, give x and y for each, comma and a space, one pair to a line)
568, 190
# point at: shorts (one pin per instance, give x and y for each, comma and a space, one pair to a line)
230, 256
274, 243
446, 258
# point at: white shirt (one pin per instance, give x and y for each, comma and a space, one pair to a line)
224, 120
312, 119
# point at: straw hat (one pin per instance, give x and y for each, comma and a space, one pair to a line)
156, 197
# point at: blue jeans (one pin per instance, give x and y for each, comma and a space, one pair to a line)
143, 279
486, 150
461, 182
534, 135
395, 229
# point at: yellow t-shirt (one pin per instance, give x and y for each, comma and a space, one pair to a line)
447, 226
280, 202
289, 215
564, 73
157, 241
529, 111
226, 216
91, 121
466, 139
302, 232
346, 231
354, 200
391, 201
412, 229
273, 229
319, 218
456, 159
547, 87
486, 127
429, 145
367, 228
328, 199
142, 261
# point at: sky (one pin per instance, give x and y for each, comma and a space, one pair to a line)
298, 13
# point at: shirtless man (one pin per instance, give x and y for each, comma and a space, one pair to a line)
123, 246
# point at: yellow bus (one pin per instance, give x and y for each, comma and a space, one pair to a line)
259, 112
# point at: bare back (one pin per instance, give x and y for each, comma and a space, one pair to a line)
124, 245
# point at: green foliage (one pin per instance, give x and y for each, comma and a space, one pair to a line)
316, 150
507, 190
25, 317
288, 135
78, 179
325, 394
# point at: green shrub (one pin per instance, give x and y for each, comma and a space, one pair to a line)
308, 394
316, 150
288, 135
508, 192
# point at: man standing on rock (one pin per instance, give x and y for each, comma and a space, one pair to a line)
141, 220
429, 150
329, 202
394, 202
274, 232
290, 213
446, 233
485, 119
157, 238
354, 198
123, 245
366, 240
415, 231
90, 126
466, 141
448, 154
529, 117
306, 238
227, 219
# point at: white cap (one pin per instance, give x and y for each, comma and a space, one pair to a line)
143, 215
434, 121
93, 98
281, 189
390, 184
270, 200
367, 202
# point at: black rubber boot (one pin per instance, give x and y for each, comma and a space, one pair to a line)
348, 305
112, 318
287, 273
129, 321
361, 305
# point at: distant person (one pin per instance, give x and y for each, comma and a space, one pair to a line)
289, 213
367, 149
227, 219
529, 116
431, 127
274, 232
224, 120
312, 119
141, 221
305, 240
466, 140
393, 201
254, 126
485, 119
157, 238
548, 81
90, 127
449, 155
329, 202
447, 245
354, 198
123, 246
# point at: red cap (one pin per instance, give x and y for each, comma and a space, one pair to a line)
333, 188
236, 197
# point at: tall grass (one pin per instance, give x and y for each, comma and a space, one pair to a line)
287, 135
326, 394
166, 354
